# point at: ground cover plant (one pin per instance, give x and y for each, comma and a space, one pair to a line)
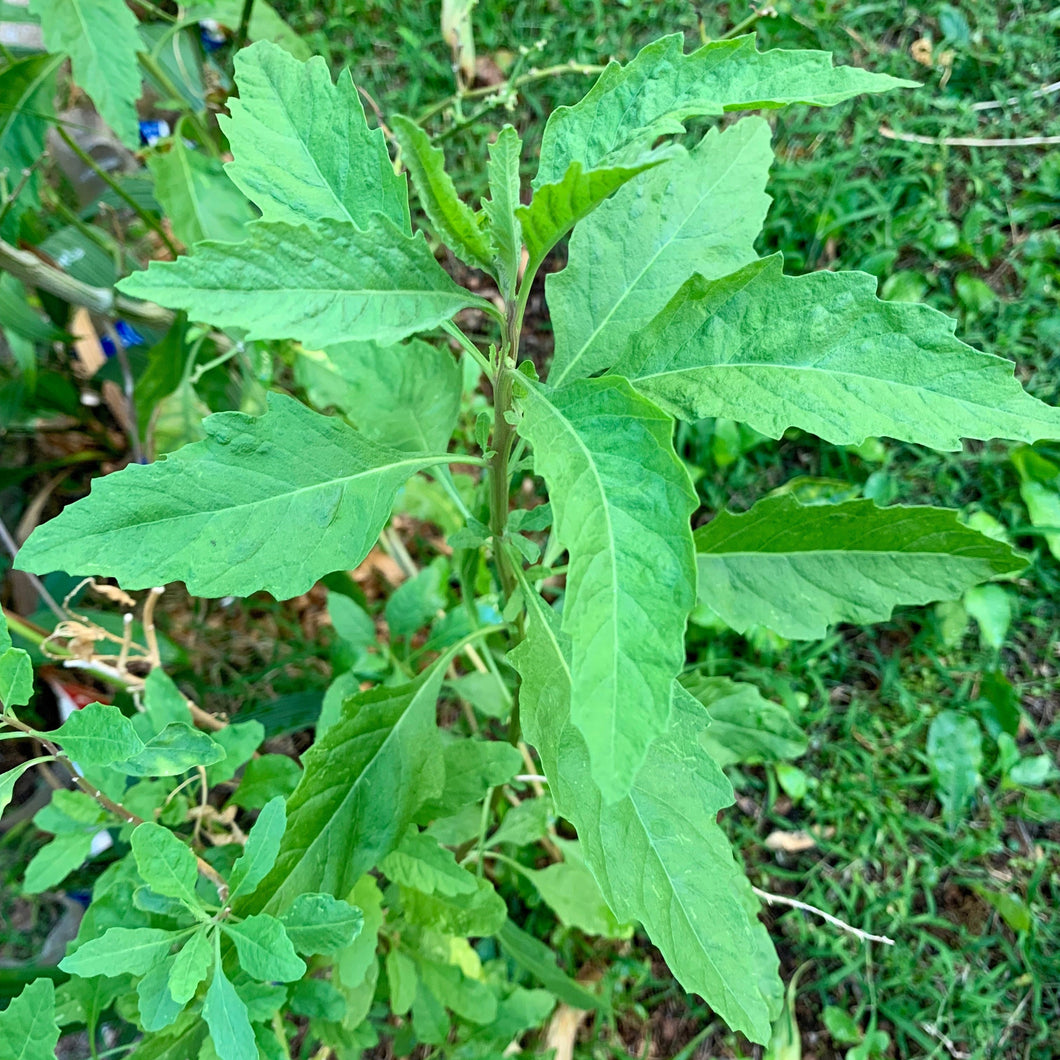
601, 686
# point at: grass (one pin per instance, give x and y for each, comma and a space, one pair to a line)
970, 231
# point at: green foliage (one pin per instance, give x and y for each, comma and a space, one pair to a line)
27, 1025
381, 854
101, 38
797, 569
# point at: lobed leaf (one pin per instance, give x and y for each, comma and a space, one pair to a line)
453, 220
101, 38
505, 232
303, 150
364, 780
118, 949
319, 923
261, 850
175, 750
822, 353
631, 106
744, 725
158, 1009
698, 213
622, 503
225, 1013
421, 863
190, 966
265, 951
98, 735
406, 396
323, 283
558, 206
56, 860
221, 514
658, 854
797, 570
165, 863
28, 1030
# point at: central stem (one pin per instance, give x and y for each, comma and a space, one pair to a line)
503, 436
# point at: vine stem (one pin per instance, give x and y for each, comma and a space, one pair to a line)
780, 899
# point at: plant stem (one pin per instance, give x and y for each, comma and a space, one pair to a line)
244, 26
763, 12
118, 190
503, 436
508, 86
34, 272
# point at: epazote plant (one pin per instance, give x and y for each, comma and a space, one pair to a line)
663, 310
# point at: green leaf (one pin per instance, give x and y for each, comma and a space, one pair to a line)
658, 854
226, 1015
199, 200
991, 608
1013, 909
221, 515
797, 570
500, 208
822, 353
321, 284
9, 779
240, 740
318, 999
698, 213
101, 39
98, 735
56, 860
364, 780
164, 703
472, 767
415, 602
572, 893
319, 923
744, 725
27, 87
539, 960
469, 998
402, 978
420, 863
406, 396
262, 849
264, 778
955, 750
265, 951
622, 503
356, 963
190, 966
452, 219
475, 915
165, 863
158, 1009
266, 24
557, 207
16, 678
630, 106
175, 750
27, 1026
303, 150
118, 950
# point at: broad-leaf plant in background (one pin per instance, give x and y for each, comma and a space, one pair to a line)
363, 864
